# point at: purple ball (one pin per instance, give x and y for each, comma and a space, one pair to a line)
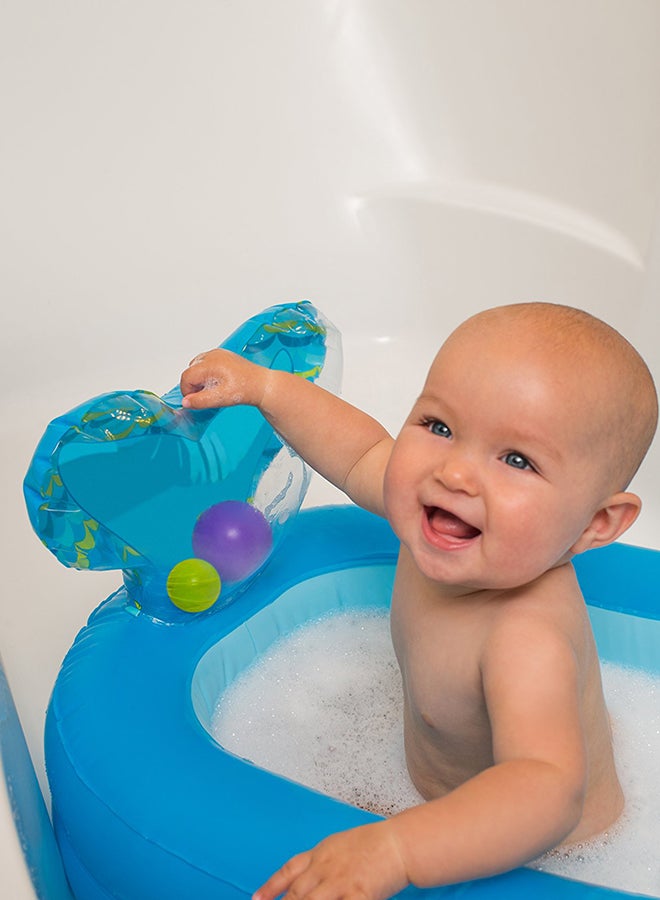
234, 537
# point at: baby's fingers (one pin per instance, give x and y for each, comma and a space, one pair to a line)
198, 359
193, 379
221, 378
203, 396
282, 879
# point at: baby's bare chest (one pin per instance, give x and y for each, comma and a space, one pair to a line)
445, 708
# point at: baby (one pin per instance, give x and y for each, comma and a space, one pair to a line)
516, 456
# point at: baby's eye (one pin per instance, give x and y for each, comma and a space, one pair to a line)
435, 426
517, 461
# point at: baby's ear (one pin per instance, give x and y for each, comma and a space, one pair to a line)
609, 522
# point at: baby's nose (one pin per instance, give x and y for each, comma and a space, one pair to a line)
458, 472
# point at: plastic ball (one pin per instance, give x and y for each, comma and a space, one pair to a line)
193, 585
234, 537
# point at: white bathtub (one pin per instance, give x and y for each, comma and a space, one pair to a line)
169, 169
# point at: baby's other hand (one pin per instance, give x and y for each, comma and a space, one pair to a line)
222, 378
361, 864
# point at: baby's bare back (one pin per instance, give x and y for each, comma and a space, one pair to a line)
441, 645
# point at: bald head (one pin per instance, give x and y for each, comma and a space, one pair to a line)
600, 372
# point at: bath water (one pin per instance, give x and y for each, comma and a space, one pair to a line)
324, 708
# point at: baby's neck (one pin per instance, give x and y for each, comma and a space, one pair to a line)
450, 594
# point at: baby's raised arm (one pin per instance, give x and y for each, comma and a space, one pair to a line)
342, 443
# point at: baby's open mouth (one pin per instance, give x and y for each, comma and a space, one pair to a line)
448, 525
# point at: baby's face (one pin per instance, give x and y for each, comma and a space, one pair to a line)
493, 477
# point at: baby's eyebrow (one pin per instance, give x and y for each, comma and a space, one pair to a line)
426, 398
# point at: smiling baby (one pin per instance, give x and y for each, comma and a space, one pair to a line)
516, 456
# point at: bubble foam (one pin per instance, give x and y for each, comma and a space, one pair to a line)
625, 857
324, 708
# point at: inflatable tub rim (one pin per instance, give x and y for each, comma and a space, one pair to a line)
128, 756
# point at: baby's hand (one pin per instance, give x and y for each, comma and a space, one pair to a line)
361, 864
222, 378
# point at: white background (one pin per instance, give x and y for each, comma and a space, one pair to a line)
169, 168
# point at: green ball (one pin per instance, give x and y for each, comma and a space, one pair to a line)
193, 585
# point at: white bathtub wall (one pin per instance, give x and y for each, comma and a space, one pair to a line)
170, 168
